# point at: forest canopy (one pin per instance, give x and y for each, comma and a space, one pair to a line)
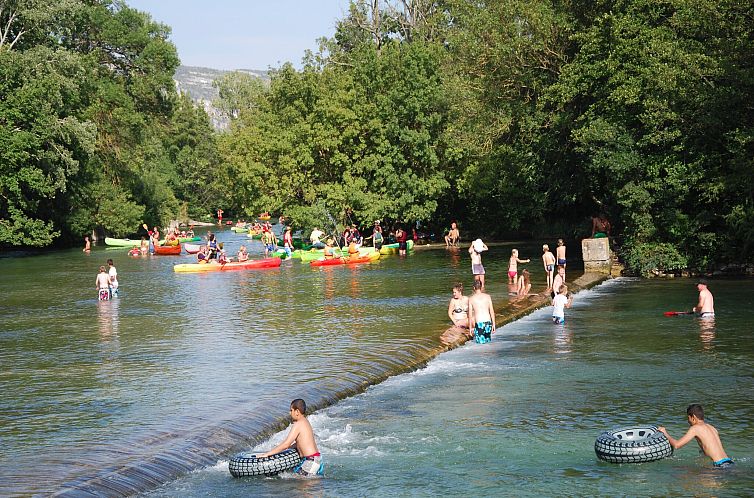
509, 116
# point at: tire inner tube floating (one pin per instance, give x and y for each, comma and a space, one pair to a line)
247, 464
632, 445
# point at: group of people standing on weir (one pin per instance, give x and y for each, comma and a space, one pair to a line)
476, 313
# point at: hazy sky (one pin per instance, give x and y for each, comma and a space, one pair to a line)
238, 34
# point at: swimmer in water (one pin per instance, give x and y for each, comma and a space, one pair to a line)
301, 437
458, 307
705, 434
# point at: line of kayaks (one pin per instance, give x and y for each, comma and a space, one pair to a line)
109, 241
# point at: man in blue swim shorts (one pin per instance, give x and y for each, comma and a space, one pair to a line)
481, 315
705, 434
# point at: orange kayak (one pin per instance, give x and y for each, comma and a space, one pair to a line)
168, 250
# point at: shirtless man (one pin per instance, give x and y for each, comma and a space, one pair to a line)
301, 437
558, 281
706, 305
102, 284
87, 244
475, 249
481, 315
705, 434
453, 237
548, 259
458, 308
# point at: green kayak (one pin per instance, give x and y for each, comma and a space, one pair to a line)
122, 242
393, 248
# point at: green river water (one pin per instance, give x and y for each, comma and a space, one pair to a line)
154, 378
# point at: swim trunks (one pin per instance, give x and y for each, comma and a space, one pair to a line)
707, 314
477, 269
561, 261
550, 267
310, 466
270, 247
482, 332
104, 294
600, 235
558, 320
402, 246
512, 274
725, 462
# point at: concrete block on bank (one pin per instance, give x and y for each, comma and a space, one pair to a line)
596, 255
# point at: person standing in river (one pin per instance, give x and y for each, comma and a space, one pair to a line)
481, 315
113, 277
87, 244
102, 284
401, 236
706, 305
458, 307
705, 434
477, 269
301, 437
548, 259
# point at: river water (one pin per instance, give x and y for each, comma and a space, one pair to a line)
90, 387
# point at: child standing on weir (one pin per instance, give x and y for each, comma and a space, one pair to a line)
513, 266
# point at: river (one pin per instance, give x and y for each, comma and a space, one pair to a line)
182, 366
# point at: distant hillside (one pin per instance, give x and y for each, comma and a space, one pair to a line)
197, 82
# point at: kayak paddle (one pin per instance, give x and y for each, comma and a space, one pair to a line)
676, 313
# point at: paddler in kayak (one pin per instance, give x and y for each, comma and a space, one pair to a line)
329, 249
301, 437
243, 255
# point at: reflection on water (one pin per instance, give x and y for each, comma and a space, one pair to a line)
707, 333
108, 318
562, 339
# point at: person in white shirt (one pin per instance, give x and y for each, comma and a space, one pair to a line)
560, 302
113, 275
314, 238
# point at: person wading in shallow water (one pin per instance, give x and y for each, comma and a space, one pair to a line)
458, 307
705, 434
301, 436
481, 315
475, 250
706, 305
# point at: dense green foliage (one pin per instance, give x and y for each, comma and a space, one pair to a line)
510, 116
514, 116
92, 135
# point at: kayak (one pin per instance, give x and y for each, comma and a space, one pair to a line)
280, 253
264, 218
167, 250
297, 244
239, 229
192, 248
313, 254
254, 235
183, 239
353, 260
252, 264
121, 242
393, 248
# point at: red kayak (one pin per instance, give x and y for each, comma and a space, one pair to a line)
167, 250
252, 264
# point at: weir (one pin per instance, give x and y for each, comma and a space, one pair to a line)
163, 459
